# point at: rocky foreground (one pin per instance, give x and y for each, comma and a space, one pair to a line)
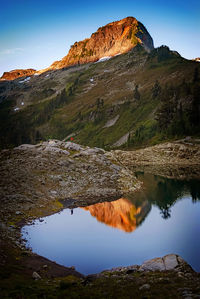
179, 159
35, 177
38, 180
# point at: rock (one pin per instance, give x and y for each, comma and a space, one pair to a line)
144, 287
14, 74
36, 276
156, 264
25, 146
180, 274
73, 146
56, 150
122, 140
53, 192
170, 261
111, 122
109, 40
18, 213
54, 142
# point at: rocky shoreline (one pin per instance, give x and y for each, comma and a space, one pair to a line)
179, 159
36, 178
39, 180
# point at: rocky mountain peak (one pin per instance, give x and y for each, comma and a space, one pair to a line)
14, 74
112, 39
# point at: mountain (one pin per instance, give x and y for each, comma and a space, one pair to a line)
134, 99
115, 38
12, 75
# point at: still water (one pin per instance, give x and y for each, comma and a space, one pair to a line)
163, 218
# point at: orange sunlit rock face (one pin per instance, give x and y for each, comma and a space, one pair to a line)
12, 75
114, 38
121, 214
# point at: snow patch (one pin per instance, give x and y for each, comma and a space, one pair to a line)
91, 80
16, 109
22, 103
25, 80
103, 59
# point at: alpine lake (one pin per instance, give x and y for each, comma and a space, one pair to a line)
162, 218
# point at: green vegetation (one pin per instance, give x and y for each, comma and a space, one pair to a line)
110, 285
155, 96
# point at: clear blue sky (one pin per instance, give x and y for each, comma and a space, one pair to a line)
34, 33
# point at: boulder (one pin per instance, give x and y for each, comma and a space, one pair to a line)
168, 262
156, 264
36, 276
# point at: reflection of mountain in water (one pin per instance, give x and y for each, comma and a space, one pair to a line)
127, 214
121, 214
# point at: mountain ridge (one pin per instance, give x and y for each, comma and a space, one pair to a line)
115, 38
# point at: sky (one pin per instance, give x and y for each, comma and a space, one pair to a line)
35, 33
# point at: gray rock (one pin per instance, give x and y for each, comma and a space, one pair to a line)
73, 146
18, 213
180, 274
144, 287
156, 264
54, 142
25, 146
53, 192
170, 261
36, 276
56, 150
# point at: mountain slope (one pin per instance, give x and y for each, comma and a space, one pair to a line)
132, 99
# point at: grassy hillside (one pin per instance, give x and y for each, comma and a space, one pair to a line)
142, 97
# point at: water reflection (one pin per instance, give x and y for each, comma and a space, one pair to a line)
121, 214
128, 213
163, 192
162, 218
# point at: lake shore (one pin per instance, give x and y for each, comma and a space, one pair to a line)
35, 178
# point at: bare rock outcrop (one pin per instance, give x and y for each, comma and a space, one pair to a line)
112, 39
12, 75
39, 175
